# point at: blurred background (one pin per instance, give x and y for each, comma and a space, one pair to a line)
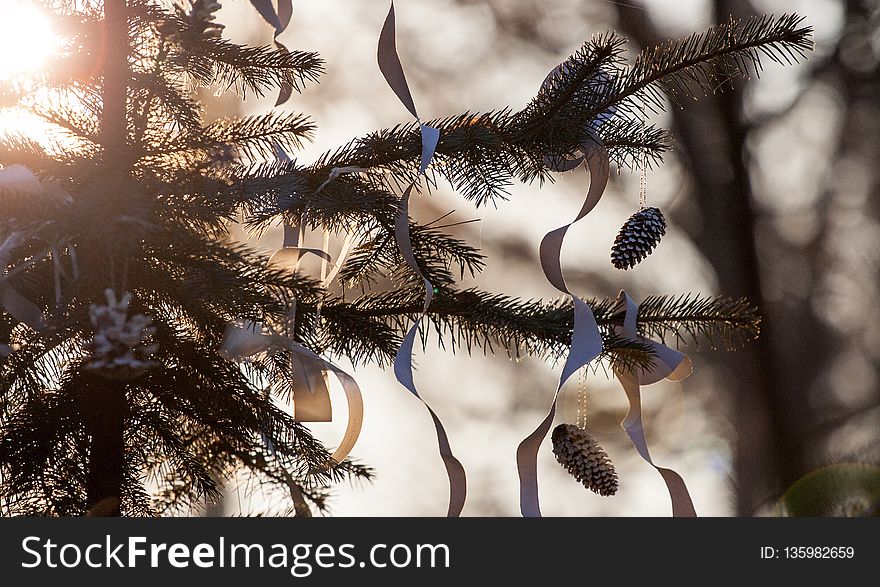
772, 192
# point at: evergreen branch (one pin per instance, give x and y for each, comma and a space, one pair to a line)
479, 154
732, 322
18, 148
380, 257
212, 60
183, 110
40, 448
255, 137
259, 136
282, 188
474, 319
573, 88
708, 60
363, 265
627, 141
80, 125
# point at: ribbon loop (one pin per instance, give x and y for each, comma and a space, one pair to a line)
248, 341
670, 364
311, 391
392, 71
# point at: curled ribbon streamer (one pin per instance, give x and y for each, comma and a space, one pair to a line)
311, 394
392, 70
279, 21
586, 340
21, 179
389, 63
19, 307
430, 140
327, 279
562, 164
291, 252
403, 365
353, 397
669, 364
347, 244
311, 391
288, 257
248, 341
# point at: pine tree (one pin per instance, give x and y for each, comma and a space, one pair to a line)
144, 190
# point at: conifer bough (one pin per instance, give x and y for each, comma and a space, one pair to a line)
154, 188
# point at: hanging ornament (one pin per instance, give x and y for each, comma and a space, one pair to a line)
120, 347
643, 230
584, 459
638, 237
202, 17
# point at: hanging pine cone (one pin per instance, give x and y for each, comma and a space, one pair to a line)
638, 237
119, 349
202, 16
584, 459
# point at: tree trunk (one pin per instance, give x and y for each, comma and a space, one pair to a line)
104, 408
104, 404
116, 76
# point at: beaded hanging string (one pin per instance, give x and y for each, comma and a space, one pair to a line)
582, 399
643, 162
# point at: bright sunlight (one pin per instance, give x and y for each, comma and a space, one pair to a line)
27, 42
26, 38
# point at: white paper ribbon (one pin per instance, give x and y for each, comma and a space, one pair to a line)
586, 340
19, 307
404, 372
669, 364
310, 388
392, 70
347, 245
279, 20
248, 341
18, 178
310, 391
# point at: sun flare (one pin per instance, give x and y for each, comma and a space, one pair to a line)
26, 38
